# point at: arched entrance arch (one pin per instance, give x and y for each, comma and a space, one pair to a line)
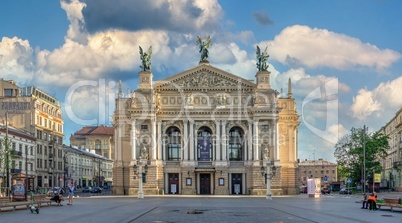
204, 144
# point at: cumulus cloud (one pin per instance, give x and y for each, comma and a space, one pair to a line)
16, 59
384, 98
134, 15
314, 47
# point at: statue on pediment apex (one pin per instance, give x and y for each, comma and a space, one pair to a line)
204, 45
146, 59
262, 57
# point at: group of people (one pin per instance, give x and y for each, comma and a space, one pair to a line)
370, 201
60, 192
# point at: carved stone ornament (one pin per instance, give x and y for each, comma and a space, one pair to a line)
205, 80
144, 153
265, 153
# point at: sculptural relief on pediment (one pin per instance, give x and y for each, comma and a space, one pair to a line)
205, 80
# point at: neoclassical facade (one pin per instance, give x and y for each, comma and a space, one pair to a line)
205, 131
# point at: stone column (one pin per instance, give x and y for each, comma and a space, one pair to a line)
218, 140
159, 140
119, 136
256, 146
153, 138
116, 143
276, 146
192, 139
185, 140
225, 141
109, 146
250, 141
163, 151
133, 141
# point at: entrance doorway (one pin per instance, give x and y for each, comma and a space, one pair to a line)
173, 183
205, 183
236, 183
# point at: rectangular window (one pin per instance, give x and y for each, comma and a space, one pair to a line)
144, 178
144, 127
8, 92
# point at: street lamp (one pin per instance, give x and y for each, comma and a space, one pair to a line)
65, 170
140, 176
99, 170
267, 173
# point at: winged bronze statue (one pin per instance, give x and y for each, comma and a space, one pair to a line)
204, 45
262, 58
146, 59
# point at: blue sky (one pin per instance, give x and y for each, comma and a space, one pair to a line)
344, 57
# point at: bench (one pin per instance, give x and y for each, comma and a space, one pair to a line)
6, 203
391, 203
40, 199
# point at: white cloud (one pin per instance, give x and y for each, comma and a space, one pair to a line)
386, 97
319, 47
16, 59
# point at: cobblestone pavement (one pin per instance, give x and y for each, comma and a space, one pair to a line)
299, 209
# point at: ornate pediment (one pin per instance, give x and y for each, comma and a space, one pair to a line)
204, 77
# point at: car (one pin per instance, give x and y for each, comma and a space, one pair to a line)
96, 190
325, 190
54, 190
86, 189
345, 191
303, 190
106, 187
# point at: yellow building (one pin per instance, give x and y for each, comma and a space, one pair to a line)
35, 111
98, 138
324, 170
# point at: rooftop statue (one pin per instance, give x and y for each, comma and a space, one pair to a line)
204, 45
146, 59
262, 58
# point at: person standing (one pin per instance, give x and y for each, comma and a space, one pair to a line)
70, 194
365, 204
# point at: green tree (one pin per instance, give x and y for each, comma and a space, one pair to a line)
349, 153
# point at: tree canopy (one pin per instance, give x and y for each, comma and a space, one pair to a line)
349, 153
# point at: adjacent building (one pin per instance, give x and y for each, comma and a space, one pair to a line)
84, 168
324, 170
32, 110
391, 177
98, 138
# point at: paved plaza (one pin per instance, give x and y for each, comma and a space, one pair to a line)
299, 209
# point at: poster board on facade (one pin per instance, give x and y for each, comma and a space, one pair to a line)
377, 178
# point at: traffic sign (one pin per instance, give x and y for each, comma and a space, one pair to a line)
325, 179
349, 180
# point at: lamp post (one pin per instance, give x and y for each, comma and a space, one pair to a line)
65, 170
140, 177
267, 173
99, 170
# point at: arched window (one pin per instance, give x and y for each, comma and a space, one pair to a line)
204, 144
173, 143
235, 144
